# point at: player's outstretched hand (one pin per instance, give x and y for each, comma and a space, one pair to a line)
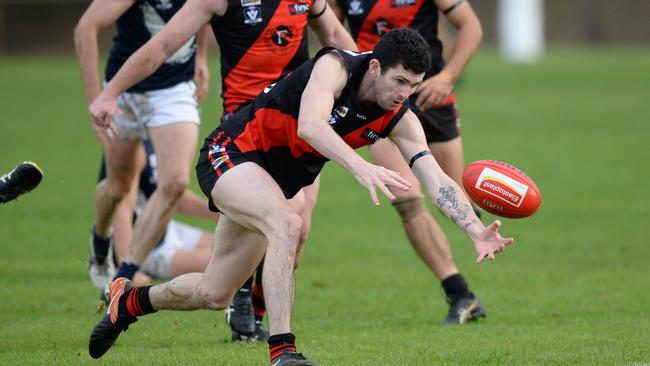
490, 242
374, 176
102, 111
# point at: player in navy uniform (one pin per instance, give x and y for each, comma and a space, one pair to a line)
433, 104
162, 108
272, 148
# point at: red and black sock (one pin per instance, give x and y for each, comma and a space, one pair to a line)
136, 302
280, 343
259, 306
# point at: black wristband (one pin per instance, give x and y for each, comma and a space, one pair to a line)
319, 14
417, 156
454, 6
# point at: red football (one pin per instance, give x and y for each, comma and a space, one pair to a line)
501, 189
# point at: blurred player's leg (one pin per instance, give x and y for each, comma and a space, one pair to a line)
121, 168
174, 145
424, 233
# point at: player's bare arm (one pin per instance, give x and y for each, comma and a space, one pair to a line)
183, 25
328, 78
201, 71
328, 28
99, 15
337, 10
443, 191
435, 91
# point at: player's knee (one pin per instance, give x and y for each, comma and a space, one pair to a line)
285, 229
116, 190
409, 207
210, 297
174, 187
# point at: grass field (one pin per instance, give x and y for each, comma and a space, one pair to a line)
573, 290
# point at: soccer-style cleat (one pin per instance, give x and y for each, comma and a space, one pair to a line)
101, 268
259, 334
23, 178
291, 358
107, 330
240, 317
464, 309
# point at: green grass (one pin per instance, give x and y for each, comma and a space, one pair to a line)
573, 290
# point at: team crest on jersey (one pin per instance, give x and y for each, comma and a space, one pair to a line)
163, 4
340, 112
281, 39
401, 3
369, 134
298, 8
252, 14
382, 26
355, 7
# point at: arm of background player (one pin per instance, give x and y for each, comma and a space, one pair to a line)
190, 204
328, 78
100, 14
329, 29
201, 71
182, 26
443, 191
337, 10
435, 91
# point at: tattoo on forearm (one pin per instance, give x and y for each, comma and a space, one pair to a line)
467, 225
449, 203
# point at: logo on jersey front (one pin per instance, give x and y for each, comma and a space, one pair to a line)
338, 113
355, 7
282, 40
245, 3
401, 3
369, 134
298, 8
382, 26
252, 14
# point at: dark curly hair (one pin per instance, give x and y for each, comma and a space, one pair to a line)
403, 46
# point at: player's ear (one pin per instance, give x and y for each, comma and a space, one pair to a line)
374, 68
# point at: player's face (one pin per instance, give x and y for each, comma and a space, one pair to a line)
394, 86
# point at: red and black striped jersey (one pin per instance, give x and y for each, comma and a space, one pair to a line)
369, 20
266, 131
260, 41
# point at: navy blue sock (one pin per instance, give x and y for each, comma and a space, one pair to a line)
455, 286
127, 269
100, 246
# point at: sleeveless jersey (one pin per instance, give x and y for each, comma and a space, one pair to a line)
369, 20
134, 28
260, 41
266, 131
